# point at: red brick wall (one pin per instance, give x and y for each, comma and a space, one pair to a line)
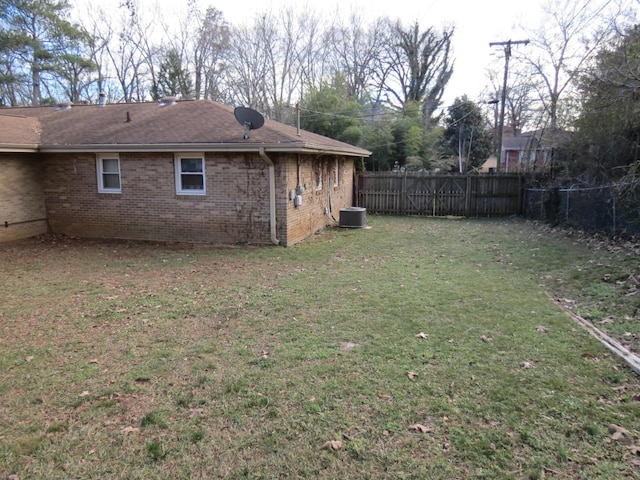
21, 197
235, 208
319, 206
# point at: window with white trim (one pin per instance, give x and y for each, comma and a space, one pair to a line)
190, 174
336, 173
108, 170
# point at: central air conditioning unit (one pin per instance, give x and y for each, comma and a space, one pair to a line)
353, 217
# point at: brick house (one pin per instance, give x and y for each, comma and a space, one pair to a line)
178, 171
524, 153
529, 152
533, 152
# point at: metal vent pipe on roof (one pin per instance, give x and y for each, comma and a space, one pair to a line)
167, 101
63, 106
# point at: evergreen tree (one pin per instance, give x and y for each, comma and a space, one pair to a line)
408, 134
37, 42
466, 133
329, 111
173, 78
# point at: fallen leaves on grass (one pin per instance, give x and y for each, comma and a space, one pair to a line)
485, 339
633, 457
620, 434
348, 346
412, 375
526, 364
332, 445
542, 329
84, 394
418, 427
128, 430
194, 412
422, 335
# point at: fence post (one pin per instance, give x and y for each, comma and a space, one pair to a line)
403, 195
434, 186
520, 199
467, 198
612, 194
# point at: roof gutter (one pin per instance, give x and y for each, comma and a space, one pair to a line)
206, 147
272, 196
19, 148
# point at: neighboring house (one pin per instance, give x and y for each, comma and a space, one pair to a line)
527, 152
524, 152
178, 171
489, 165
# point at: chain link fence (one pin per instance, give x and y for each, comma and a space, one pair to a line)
596, 209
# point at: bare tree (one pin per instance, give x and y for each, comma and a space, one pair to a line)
284, 72
132, 53
210, 47
419, 66
201, 40
101, 34
312, 51
569, 34
522, 105
247, 68
356, 50
270, 60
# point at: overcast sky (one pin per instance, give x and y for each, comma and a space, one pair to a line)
477, 23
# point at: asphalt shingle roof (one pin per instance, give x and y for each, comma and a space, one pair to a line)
189, 124
19, 132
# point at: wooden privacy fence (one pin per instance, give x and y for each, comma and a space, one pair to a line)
410, 193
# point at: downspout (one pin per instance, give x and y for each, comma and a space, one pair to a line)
272, 196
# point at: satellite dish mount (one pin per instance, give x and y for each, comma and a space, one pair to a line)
249, 119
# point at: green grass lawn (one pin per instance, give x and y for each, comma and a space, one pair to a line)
417, 348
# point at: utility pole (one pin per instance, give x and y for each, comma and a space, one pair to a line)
507, 55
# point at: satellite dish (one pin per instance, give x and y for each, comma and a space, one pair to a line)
249, 119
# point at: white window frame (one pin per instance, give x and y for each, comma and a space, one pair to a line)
179, 173
100, 158
336, 172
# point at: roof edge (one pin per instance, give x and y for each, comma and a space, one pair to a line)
206, 147
19, 148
